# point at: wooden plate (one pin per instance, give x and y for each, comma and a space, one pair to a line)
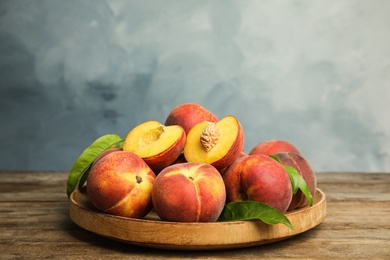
152, 232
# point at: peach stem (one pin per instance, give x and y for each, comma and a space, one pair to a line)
138, 178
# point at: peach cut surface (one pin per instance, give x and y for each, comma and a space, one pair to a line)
220, 138
151, 138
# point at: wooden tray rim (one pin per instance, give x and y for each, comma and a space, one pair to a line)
89, 218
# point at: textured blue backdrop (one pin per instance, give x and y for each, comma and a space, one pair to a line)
316, 73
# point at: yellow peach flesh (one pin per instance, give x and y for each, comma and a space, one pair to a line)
151, 138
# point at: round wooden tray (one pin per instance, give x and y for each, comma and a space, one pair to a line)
152, 232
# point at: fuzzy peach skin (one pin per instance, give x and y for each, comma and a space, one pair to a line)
189, 192
258, 178
218, 144
104, 153
242, 154
273, 146
189, 114
305, 170
158, 145
121, 184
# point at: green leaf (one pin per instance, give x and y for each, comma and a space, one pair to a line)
84, 176
253, 210
81, 167
297, 180
120, 144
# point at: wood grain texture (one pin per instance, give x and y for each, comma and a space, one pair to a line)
152, 232
35, 224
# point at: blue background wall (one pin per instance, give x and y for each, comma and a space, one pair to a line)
316, 73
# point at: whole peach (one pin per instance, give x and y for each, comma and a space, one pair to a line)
189, 114
258, 178
121, 184
189, 192
273, 146
305, 170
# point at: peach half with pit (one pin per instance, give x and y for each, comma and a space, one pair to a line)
189, 114
218, 144
273, 146
189, 192
258, 178
158, 145
121, 184
303, 167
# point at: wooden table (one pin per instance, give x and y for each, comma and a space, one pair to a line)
35, 223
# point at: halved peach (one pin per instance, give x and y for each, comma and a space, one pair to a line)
218, 144
158, 145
